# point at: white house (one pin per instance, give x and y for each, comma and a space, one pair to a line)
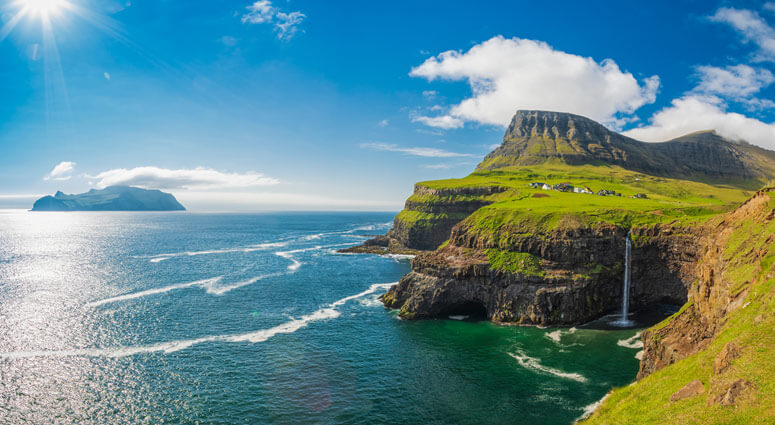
546, 187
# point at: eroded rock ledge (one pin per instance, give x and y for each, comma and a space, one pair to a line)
568, 276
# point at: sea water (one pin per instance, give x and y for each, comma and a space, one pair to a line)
148, 318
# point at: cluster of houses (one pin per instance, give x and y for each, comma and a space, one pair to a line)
567, 187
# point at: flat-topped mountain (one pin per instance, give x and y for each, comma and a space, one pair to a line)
533, 137
112, 198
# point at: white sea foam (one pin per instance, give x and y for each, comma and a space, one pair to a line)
535, 364
590, 409
639, 355
215, 289
155, 291
554, 336
631, 342
399, 257
324, 313
249, 248
459, 317
211, 286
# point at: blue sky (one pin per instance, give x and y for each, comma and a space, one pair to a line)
240, 105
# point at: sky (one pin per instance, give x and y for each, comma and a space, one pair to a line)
238, 105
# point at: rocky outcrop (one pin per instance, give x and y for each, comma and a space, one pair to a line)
714, 296
580, 275
427, 219
689, 390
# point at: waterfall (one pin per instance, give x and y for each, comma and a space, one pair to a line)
626, 284
626, 289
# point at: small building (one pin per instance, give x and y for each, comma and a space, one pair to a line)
563, 187
605, 192
582, 190
641, 196
537, 185
546, 187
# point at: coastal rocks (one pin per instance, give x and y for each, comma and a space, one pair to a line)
430, 214
576, 275
689, 390
427, 219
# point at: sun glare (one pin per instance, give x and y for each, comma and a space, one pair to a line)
44, 7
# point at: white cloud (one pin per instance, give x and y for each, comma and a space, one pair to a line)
383, 123
736, 81
752, 27
258, 201
423, 152
285, 23
198, 178
62, 171
429, 94
106, 75
446, 122
696, 112
510, 74
769, 6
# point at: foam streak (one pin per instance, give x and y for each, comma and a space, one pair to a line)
324, 313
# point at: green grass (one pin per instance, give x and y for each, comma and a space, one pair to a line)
521, 210
515, 262
748, 259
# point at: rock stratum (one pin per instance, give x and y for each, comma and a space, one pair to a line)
112, 198
703, 237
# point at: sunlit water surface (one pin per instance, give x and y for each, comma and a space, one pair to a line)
134, 318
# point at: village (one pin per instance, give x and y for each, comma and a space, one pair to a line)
567, 187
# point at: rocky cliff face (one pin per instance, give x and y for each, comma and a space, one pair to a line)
576, 275
718, 292
535, 136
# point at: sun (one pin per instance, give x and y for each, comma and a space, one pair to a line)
44, 7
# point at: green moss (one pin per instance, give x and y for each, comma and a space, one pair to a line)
515, 262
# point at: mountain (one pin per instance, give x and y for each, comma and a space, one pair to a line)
504, 244
112, 198
534, 137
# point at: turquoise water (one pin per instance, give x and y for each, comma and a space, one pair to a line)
127, 318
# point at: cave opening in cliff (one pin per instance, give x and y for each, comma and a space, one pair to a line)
470, 309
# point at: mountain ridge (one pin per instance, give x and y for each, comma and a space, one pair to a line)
534, 137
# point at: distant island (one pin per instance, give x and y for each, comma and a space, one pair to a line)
112, 198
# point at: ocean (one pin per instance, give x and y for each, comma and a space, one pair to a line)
187, 318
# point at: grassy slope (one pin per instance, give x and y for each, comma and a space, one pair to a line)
749, 257
669, 199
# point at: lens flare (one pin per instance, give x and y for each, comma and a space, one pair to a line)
44, 7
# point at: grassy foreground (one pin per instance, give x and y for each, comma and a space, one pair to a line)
746, 262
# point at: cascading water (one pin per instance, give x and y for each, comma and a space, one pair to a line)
623, 321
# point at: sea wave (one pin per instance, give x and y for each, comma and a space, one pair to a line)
133, 295
590, 409
325, 313
535, 364
557, 335
633, 342
211, 286
250, 248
